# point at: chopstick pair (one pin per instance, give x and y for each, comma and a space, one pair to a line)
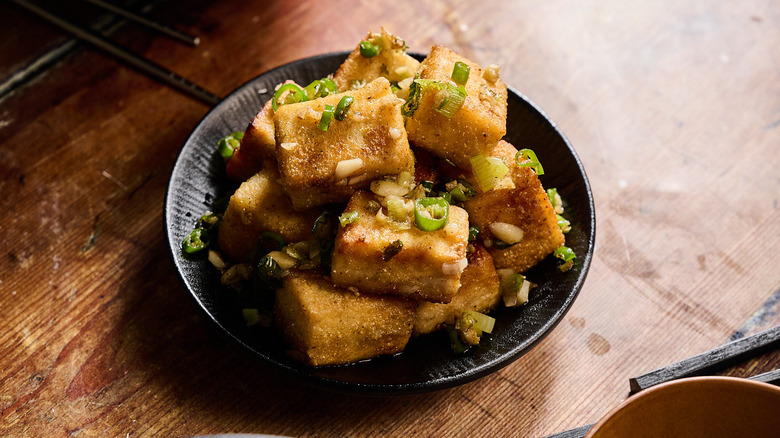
702, 364
133, 59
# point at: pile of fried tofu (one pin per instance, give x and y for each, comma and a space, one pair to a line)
363, 303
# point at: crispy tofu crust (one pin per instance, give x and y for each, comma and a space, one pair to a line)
260, 204
479, 291
416, 271
329, 325
372, 131
392, 63
475, 128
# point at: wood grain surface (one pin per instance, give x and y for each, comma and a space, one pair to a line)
673, 107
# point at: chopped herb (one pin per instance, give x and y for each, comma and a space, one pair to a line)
392, 250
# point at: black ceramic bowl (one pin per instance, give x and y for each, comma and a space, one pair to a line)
428, 363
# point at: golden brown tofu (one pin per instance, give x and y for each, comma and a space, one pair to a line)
319, 167
392, 63
475, 128
428, 266
260, 204
257, 145
479, 291
328, 325
525, 206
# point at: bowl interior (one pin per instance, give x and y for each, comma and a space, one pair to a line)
428, 363
696, 407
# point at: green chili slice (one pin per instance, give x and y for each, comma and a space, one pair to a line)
228, 144
563, 223
343, 107
368, 49
296, 95
527, 158
460, 73
431, 214
328, 87
196, 241
327, 117
567, 255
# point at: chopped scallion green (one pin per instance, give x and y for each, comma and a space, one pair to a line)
483, 172
527, 158
473, 233
392, 250
460, 73
348, 217
563, 223
567, 255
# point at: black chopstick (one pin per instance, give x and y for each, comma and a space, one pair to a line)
167, 30
716, 359
125, 55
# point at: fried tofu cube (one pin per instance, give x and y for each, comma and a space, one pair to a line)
257, 145
328, 325
392, 62
427, 267
479, 291
525, 206
257, 205
475, 128
319, 167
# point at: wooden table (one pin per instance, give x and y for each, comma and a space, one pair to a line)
673, 107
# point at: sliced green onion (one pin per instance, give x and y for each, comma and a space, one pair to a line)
392, 250
483, 172
497, 167
483, 323
460, 73
196, 241
449, 100
527, 158
431, 214
567, 255
563, 223
327, 117
343, 107
368, 49
228, 144
296, 95
348, 217
473, 233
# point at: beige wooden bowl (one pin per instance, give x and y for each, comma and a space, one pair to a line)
696, 407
